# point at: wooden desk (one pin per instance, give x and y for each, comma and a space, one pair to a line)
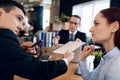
69, 75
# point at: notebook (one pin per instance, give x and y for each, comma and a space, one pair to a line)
77, 71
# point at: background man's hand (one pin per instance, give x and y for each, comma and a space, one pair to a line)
56, 40
78, 40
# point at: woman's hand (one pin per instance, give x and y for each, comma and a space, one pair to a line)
87, 50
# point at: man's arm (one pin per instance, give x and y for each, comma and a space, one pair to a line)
25, 65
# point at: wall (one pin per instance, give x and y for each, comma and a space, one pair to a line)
66, 5
36, 17
115, 3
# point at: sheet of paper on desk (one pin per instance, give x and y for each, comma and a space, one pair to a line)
71, 46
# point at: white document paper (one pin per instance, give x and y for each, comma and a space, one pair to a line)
71, 46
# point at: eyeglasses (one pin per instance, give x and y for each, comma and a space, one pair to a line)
73, 23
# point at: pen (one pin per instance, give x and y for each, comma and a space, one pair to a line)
40, 41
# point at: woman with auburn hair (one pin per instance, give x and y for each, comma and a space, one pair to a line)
106, 31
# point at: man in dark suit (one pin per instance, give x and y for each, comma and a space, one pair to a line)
13, 60
65, 35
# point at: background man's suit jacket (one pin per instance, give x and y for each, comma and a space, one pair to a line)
13, 60
64, 36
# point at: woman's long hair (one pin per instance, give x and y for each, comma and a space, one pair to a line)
113, 14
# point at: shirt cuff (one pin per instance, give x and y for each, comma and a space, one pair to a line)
66, 61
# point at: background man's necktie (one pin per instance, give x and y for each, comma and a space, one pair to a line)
71, 37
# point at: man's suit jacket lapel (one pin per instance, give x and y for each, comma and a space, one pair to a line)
67, 32
77, 35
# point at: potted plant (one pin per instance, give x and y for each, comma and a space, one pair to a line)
60, 21
62, 18
98, 56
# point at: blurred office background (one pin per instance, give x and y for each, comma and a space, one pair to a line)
41, 14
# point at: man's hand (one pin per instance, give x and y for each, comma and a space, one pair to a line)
56, 40
78, 40
69, 56
27, 46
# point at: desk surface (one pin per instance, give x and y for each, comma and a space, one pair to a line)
69, 75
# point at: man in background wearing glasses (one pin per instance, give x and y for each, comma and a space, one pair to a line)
72, 34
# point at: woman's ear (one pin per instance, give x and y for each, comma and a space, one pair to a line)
115, 26
0, 11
